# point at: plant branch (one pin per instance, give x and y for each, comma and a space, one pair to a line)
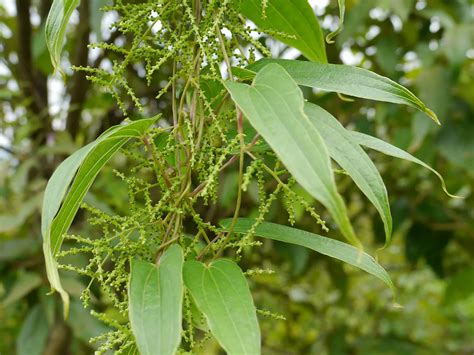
79, 84
32, 81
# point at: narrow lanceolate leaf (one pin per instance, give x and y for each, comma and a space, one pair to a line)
155, 303
60, 204
389, 149
348, 80
353, 159
55, 28
274, 106
327, 246
342, 11
222, 294
291, 21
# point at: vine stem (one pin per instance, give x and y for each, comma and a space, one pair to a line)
152, 151
240, 132
239, 191
198, 189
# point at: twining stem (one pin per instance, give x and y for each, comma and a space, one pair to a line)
248, 147
159, 166
240, 132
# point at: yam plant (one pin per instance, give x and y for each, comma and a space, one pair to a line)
222, 104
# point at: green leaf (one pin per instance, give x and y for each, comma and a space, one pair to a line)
17, 248
55, 28
198, 318
56, 217
131, 350
83, 324
243, 73
351, 157
155, 303
20, 178
327, 246
388, 345
11, 221
455, 143
34, 333
274, 106
342, 10
40, 51
291, 21
24, 284
456, 42
389, 149
431, 86
347, 80
221, 292
402, 8
460, 286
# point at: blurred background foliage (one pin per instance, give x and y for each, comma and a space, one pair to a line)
330, 308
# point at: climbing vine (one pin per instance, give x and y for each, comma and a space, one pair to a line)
170, 273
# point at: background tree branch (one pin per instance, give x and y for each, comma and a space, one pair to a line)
79, 84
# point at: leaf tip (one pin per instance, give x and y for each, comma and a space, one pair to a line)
65, 298
66, 304
443, 186
397, 305
329, 38
432, 115
450, 194
379, 250
345, 98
